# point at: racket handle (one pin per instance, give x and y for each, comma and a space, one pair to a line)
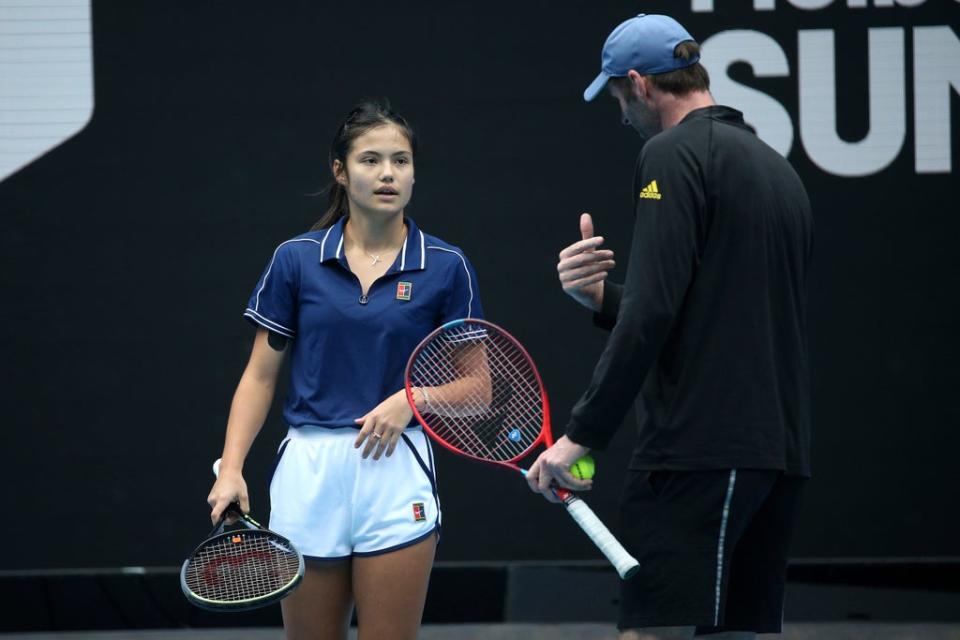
625, 564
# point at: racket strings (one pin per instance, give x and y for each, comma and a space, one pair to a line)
484, 393
528, 403
435, 368
241, 566
524, 409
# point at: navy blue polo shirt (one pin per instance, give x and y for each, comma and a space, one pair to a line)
349, 351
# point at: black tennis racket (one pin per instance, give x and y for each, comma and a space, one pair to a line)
243, 568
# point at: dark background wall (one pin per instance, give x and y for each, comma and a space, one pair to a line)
127, 255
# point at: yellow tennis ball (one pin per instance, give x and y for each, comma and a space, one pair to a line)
583, 468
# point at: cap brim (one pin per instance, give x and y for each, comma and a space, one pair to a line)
596, 87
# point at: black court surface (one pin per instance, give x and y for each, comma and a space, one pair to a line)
580, 631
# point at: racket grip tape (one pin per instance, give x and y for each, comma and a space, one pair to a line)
625, 564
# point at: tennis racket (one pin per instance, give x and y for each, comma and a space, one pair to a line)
240, 569
485, 400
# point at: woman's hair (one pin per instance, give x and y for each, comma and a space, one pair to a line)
365, 116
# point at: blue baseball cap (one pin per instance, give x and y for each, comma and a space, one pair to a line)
645, 44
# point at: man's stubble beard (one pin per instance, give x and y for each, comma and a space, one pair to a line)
644, 120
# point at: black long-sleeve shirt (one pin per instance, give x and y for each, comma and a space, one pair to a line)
711, 321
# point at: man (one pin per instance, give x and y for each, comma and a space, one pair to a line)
710, 328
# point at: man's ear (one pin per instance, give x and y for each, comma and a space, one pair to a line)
339, 172
640, 85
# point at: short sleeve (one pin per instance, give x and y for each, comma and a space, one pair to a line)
273, 303
463, 299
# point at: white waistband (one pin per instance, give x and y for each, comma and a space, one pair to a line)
309, 431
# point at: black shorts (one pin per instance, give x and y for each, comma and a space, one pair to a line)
712, 547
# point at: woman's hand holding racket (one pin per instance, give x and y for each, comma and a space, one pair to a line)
229, 488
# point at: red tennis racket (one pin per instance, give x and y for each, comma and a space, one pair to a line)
485, 400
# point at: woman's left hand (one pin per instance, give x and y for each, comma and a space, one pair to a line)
381, 427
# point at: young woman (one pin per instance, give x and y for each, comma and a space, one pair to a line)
354, 487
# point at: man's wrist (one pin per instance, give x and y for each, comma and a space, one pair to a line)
598, 299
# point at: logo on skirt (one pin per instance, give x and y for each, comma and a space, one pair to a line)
419, 512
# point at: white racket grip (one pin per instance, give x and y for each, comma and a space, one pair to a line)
625, 564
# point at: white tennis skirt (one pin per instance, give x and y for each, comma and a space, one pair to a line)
334, 504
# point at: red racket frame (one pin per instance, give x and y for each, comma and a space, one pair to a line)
546, 434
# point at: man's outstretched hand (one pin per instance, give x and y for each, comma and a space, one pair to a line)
583, 266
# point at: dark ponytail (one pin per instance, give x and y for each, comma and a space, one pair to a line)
362, 118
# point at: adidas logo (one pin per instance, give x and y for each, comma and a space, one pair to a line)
651, 191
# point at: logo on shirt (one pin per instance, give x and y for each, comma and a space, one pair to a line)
651, 191
419, 512
404, 290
